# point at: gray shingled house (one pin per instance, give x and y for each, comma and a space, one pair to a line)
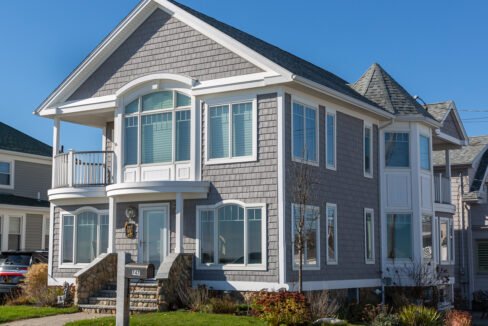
205, 129
469, 192
25, 177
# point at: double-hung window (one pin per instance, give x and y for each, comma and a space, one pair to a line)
231, 132
14, 232
399, 236
446, 241
330, 140
397, 149
424, 152
306, 219
304, 133
157, 129
232, 235
369, 235
6, 174
84, 236
331, 227
368, 150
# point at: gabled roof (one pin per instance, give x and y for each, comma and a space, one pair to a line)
464, 156
260, 51
440, 110
378, 86
14, 140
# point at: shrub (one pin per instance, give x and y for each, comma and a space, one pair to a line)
371, 312
458, 318
321, 304
196, 299
283, 307
352, 312
35, 286
222, 306
386, 319
419, 316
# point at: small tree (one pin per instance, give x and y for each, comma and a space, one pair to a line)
304, 219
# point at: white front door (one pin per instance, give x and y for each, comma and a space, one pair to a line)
153, 234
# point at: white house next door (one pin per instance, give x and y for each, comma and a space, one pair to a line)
153, 234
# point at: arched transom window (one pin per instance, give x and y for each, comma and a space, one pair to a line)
157, 128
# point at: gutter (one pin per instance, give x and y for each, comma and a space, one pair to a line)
341, 96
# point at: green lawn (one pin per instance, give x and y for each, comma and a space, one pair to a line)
176, 318
11, 313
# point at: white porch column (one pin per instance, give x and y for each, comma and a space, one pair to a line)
112, 216
56, 132
179, 223
448, 163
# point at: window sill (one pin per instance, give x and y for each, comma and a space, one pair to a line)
6, 186
306, 268
300, 160
231, 160
368, 175
370, 262
332, 262
331, 167
214, 267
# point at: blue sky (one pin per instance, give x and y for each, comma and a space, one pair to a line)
435, 49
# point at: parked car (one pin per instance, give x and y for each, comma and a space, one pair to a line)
14, 266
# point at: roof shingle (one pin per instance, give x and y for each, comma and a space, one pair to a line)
14, 140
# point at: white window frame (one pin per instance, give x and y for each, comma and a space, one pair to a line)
75, 221
233, 267
139, 114
372, 259
45, 230
331, 261
317, 236
230, 102
314, 107
12, 173
450, 241
371, 142
330, 112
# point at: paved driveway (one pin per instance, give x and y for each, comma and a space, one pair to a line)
58, 320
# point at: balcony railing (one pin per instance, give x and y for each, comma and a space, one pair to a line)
83, 169
442, 186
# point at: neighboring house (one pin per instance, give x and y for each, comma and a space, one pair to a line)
469, 192
204, 128
25, 177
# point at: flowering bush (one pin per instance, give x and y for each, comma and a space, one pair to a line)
283, 307
458, 318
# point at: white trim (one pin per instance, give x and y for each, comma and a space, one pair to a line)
229, 102
236, 267
330, 261
305, 266
332, 113
153, 78
450, 242
306, 105
445, 208
140, 237
25, 157
450, 139
53, 281
24, 209
51, 241
11, 173
341, 284
75, 213
281, 186
366, 259
367, 125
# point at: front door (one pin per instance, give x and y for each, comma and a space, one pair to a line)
153, 234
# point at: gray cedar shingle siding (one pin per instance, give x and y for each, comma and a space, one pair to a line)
253, 182
450, 127
31, 178
163, 44
33, 231
349, 189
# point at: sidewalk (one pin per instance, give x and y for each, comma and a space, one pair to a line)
58, 320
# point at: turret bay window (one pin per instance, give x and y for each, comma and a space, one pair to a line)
84, 236
232, 235
399, 236
231, 131
397, 149
304, 133
157, 128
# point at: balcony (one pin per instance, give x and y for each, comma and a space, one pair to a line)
442, 187
83, 169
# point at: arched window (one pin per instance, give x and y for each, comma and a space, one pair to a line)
232, 235
84, 236
157, 128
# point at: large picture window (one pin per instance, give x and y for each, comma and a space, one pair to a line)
399, 236
311, 235
397, 149
84, 236
232, 235
304, 133
157, 128
231, 131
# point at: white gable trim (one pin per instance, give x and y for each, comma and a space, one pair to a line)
459, 122
155, 77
